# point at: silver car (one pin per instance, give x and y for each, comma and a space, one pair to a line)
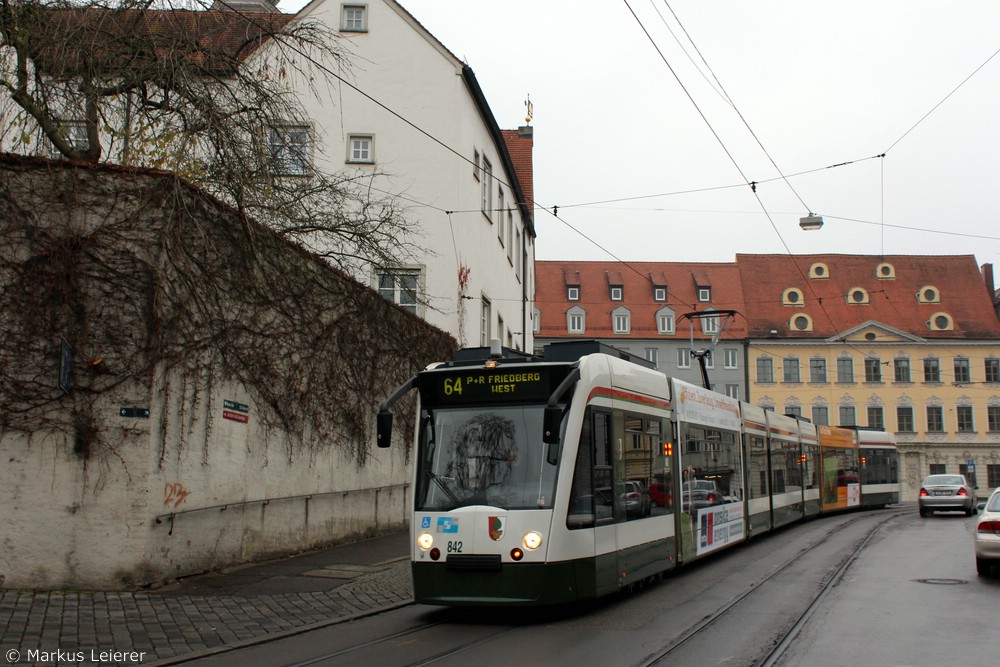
988, 536
947, 492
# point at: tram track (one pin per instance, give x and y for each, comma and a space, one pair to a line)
787, 638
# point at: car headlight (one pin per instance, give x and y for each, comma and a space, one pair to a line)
425, 541
532, 540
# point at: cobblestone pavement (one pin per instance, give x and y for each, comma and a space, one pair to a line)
164, 626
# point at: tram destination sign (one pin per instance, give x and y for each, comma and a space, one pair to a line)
489, 385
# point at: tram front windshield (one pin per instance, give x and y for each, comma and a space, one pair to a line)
484, 456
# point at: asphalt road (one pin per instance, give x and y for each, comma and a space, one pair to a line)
903, 591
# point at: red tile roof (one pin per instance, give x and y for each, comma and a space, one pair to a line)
964, 294
637, 279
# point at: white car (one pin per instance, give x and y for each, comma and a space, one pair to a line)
988, 536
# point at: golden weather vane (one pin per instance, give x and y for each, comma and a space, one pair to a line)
531, 110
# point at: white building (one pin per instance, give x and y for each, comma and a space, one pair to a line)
404, 97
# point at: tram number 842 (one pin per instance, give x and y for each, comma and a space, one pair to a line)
455, 547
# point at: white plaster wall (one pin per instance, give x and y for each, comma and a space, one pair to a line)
75, 523
403, 68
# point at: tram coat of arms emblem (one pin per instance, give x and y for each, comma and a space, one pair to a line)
496, 526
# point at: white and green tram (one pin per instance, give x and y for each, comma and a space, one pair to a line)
545, 480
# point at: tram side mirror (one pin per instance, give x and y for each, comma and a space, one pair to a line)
383, 429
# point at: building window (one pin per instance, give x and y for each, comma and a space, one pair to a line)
876, 418
704, 294
993, 418
659, 294
399, 287
817, 370
793, 410
536, 320
487, 189
354, 19
519, 249
935, 419
710, 325
621, 322
821, 415
847, 417
932, 370
652, 355
510, 235
501, 221
733, 391
791, 369
683, 358
964, 414
873, 370
665, 323
765, 369
732, 358
572, 293
993, 371
901, 369
904, 419
290, 147
486, 322
475, 163
962, 374
616, 293
845, 370
992, 475
937, 469
359, 149
576, 320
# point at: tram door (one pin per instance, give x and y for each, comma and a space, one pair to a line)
605, 504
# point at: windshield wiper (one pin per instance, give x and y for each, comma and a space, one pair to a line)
444, 487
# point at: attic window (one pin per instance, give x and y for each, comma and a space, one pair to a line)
929, 294
704, 294
573, 293
354, 18
659, 294
885, 271
792, 297
857, 295
941, 322
800, 323
819, 270
616, 293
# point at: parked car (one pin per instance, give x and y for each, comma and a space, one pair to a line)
947, 492
637, 501
987, 542
700, 493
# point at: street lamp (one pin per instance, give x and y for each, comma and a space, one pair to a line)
811, 222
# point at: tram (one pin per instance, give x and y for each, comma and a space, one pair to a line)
546, 480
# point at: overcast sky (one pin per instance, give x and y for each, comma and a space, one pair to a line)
646, 143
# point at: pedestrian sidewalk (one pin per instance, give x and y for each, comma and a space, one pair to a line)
207, 613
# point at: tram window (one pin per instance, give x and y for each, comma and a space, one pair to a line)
581, 501
779, 481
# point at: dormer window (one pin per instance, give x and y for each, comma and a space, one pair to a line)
572, 293
659, 294
929, 294
940, 322
819, 270
857, 295
792, 297
704, 294
885, 271
616, 293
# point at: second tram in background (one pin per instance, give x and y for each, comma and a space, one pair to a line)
544, 480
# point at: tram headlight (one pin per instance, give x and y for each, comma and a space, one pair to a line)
425, 541
532, 540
